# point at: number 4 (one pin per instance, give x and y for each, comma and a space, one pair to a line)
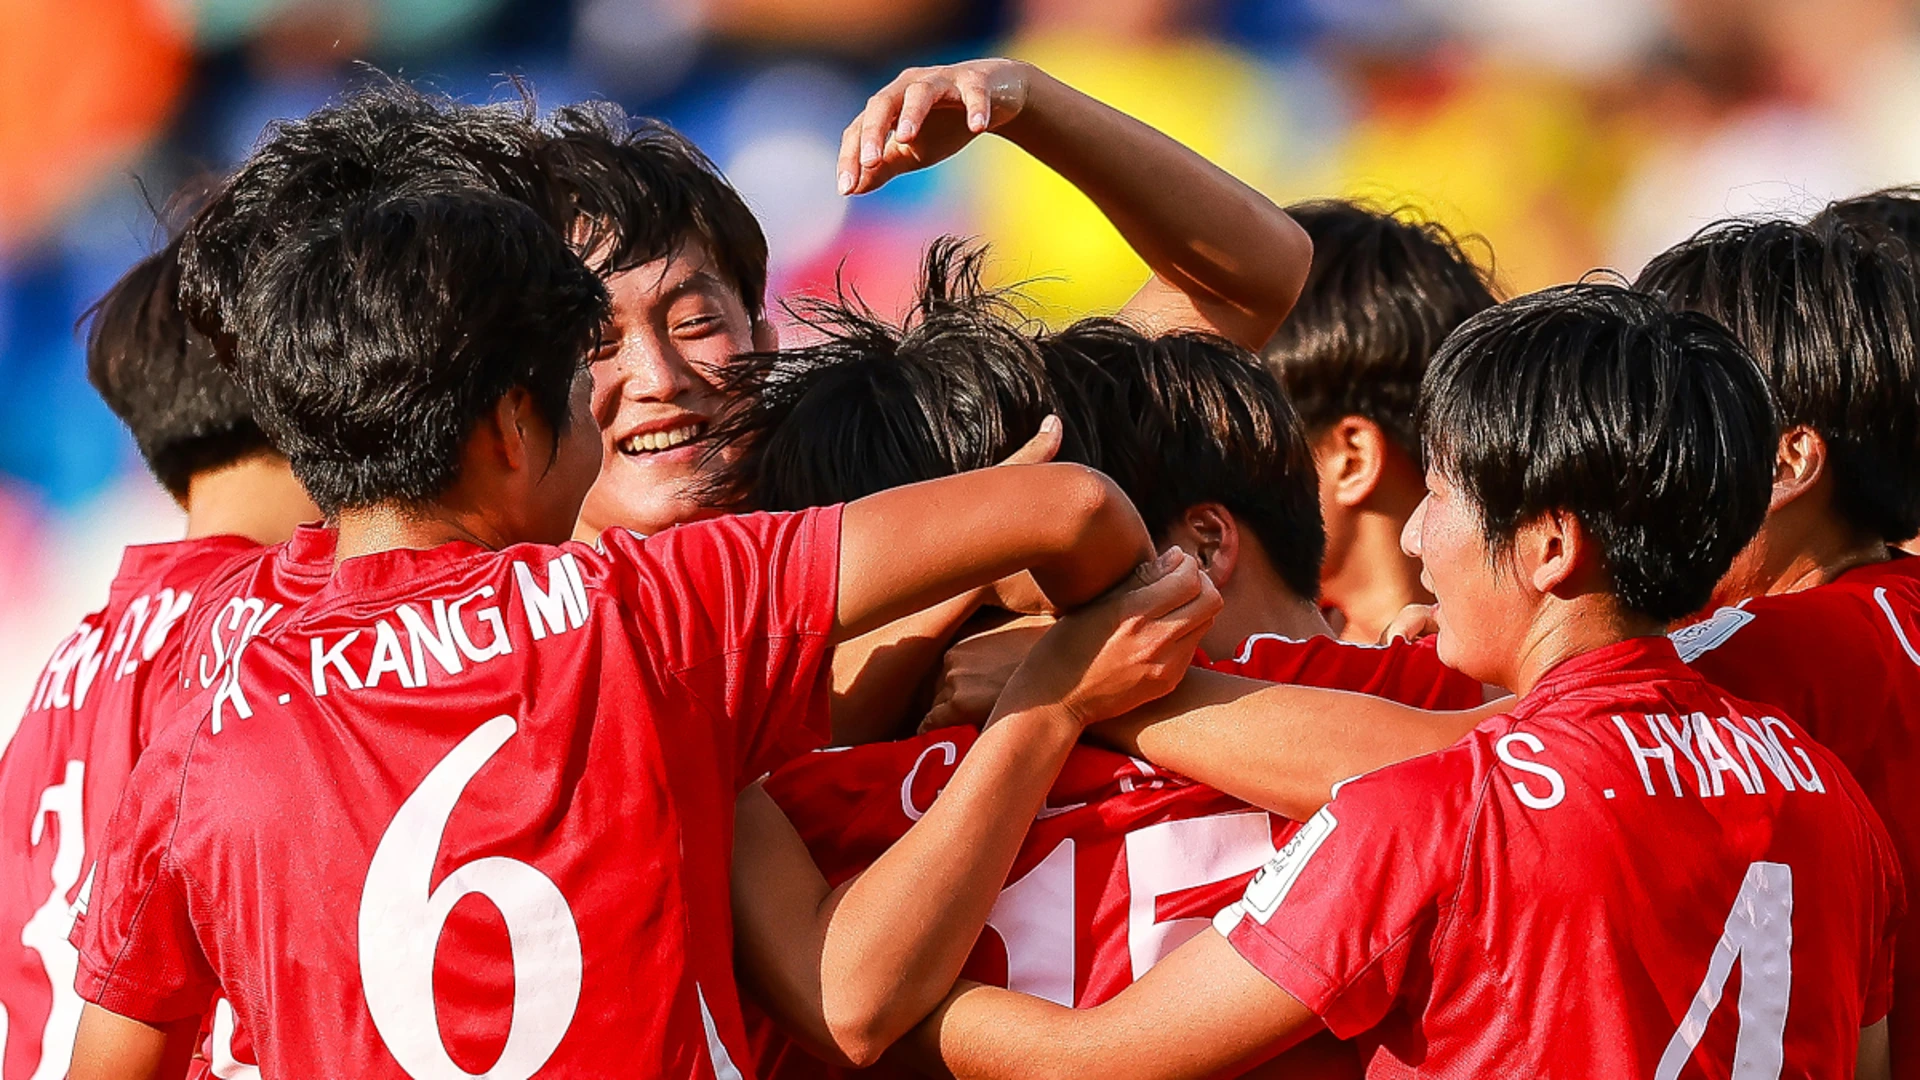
1759, 934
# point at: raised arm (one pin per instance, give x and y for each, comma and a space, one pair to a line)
909, 548
1224, 257
1282, 748
851, 969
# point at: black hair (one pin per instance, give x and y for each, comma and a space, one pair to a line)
1893, 212
1653, 428
642, 189
869, 405
1383, 291
1190, 418
375, 338
1830, 312
383, 138
161, 378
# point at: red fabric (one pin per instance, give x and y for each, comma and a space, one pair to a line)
1543, 899
1130, 862
561, 730
1844, 660
1408, 672
89, 717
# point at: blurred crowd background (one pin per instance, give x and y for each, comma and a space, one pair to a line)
1569, 134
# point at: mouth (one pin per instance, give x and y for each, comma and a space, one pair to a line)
661, 440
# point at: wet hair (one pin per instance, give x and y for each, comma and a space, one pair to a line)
1652, 427
871, 405
161, 378
1830, 313
377, 337
1190, 418
1891, 212
384, 138
644, 189
1383, 291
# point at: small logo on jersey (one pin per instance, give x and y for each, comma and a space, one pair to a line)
1275, 880
1691, 642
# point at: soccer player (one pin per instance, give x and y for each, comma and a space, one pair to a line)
1567, 890
90, 714
1821, 613
1383, 292
434, 700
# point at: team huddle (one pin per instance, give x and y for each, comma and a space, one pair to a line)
1318, 668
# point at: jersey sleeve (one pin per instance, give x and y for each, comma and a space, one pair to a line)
139, 951
742, 607
1345, 915
1895, 924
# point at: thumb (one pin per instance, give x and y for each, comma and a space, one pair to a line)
1041, 448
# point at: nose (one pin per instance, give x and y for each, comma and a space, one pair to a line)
1410, 532
645, 371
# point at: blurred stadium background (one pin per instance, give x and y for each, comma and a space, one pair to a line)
1569, 134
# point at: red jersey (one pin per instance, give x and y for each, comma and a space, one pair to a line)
1567, 891
1407, 672
1844, 660
1126, 863
559, 730
88, 718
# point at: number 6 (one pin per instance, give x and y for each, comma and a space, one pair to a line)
401, 921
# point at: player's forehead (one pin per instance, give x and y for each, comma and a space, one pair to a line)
688, 269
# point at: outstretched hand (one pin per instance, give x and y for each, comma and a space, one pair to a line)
1120, 652
926, 115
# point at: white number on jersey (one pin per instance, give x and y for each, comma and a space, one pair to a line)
401, 919
46, 931
1037, 918
1758, 934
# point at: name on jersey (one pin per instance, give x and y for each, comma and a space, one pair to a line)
416, 643
78, 661
1717, 750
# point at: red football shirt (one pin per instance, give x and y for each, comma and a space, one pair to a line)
561, 731
1571, 889
1844, 660
1407, 672
87, 721
1127, 862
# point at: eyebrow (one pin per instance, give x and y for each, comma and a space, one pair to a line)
702, 280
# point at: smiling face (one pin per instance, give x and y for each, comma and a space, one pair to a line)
1481, 608
676, 320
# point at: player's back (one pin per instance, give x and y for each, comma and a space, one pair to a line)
88, 718
1629, 872
468, 808
1844, 660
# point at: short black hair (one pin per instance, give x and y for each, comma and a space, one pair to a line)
1189, 418
376, 337
161, 377
1652, 427
871, 405
1830, 312
643, 189
383, 137
1893, 212
1383, 291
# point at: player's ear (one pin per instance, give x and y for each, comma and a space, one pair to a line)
1209, 532
1555, 551
1799, 465
1350, 457
512, 428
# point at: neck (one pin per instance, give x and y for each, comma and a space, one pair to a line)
1264, 608
1801, 554
255, 497
387, 527
1374, 579
1567, 629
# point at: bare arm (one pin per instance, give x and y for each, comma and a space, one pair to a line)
109, 1046
1280, 747
1201, 1012
875, 675
909, 548
851, 970
1224, 258
1876, 1060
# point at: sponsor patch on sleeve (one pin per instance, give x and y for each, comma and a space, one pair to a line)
1276, 878
1691, 642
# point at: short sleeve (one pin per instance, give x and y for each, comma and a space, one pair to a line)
743, 607
1345, 914
140, 955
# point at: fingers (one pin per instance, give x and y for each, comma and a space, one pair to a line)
914, 107
979, 102
1041, 448
1414, 622
1180, 582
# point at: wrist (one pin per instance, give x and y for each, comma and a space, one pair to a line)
1050, 721
1037, 103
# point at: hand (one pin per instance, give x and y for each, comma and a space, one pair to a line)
1121, 651
1414, 622
976, 670
926, 115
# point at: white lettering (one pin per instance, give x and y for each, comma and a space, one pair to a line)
86, 666
497, 646
1811, 778
126, 636
388, 656
1718, 761
1682, 737
949, 753
425, 641
249, 617
1756, 743
561, 606
1556, 787
334, 658
1642, 754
